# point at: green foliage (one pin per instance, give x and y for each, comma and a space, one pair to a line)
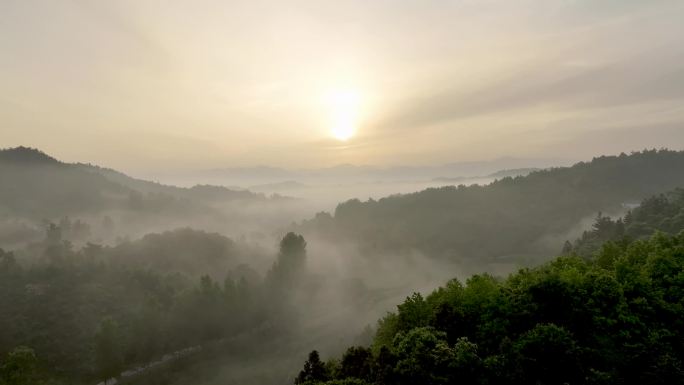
479, 224
93, 312
664, 213
467, 365
19, 367
357, 362
388, 327
413, 312
37, 186
423, 356
613, 319
547, 354
184, 250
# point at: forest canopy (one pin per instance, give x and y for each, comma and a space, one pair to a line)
511, 218
74, 309
615, 318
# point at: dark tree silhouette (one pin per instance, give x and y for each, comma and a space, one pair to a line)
314, 370
291, 261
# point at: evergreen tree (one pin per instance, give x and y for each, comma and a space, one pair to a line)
314, 370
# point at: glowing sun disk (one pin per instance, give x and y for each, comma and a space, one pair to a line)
344, 108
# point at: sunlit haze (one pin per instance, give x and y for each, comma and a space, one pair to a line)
348, 192
317, 83
344, 106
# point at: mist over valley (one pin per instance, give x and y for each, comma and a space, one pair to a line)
341, 192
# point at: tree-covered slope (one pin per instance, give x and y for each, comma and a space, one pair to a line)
80, 316
663, 212
206, 193
37, 186
511, 216
615, 319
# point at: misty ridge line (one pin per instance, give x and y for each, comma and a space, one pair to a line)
450, 172
206, 194
347, 173
356, 263
342, 192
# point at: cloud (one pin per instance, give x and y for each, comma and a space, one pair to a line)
445, 80
655, 75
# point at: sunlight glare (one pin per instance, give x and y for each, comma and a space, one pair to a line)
343, 108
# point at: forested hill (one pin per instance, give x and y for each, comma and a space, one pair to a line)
613, 319
663, 213
37, 186
80, 316
612, 315
524, 215
199, 192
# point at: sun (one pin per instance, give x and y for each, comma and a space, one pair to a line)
343, 108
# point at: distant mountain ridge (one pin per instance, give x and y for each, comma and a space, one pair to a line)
287, 185
345, 173
513, 172
36, 185
197, 191
519, 216
23, 154
495, 175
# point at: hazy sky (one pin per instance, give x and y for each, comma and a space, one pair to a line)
146, 85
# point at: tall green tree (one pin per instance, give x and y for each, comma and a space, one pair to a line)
314, 370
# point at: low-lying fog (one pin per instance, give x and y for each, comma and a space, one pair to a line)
323, 189
361, 261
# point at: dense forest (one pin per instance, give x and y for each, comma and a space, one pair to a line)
342, 192
664, 213
77, 316
37, 187
614, 316
43, 187
81, 302
528, 214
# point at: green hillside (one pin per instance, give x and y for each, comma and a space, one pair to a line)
37, 186
510, 217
